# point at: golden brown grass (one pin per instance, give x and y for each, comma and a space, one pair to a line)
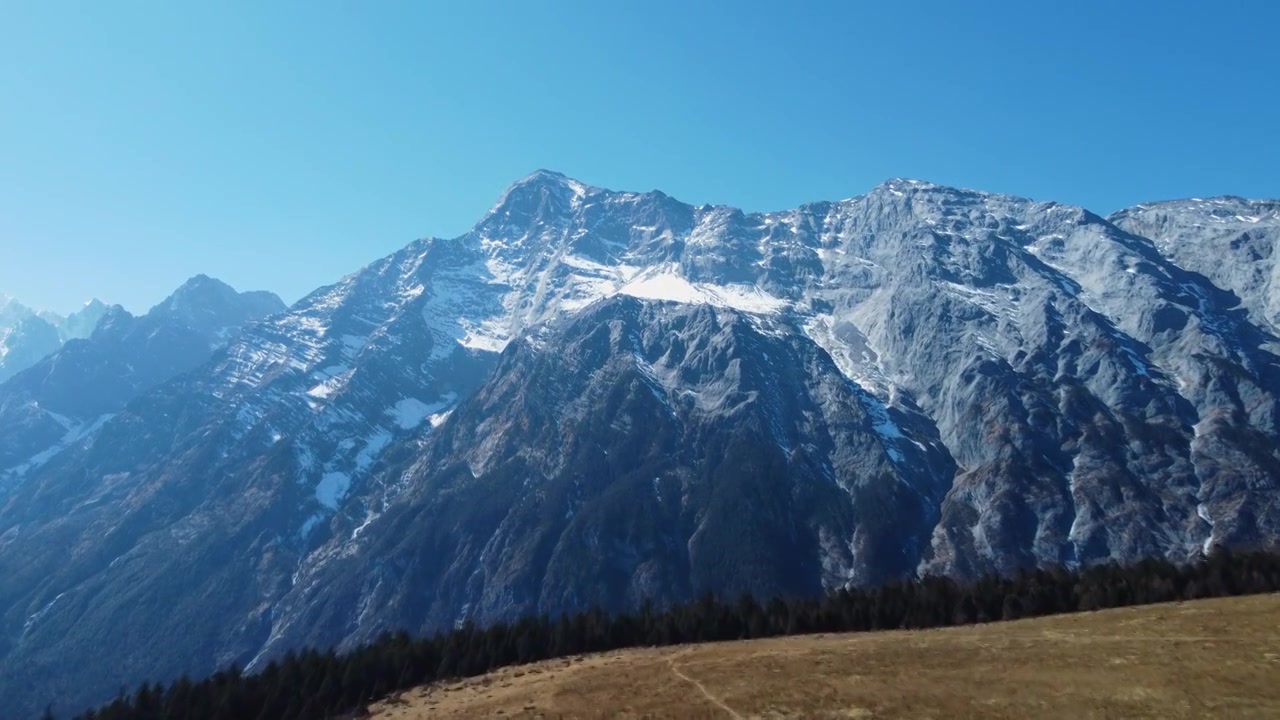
1205, 659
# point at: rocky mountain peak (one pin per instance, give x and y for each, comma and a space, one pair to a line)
903, 184
113, 317
540, 190
1223, 213
24, 342
82, 323
216, 309
11, 311
549, 181
27, 335
197, 289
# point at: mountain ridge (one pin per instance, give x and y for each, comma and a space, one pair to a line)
27, 336
66, 396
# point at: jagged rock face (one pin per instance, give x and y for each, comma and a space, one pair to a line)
28, 336
1044, 342
641, 450
218, 478
1229, 240
23, 343
81, 323
1089, 390
595, 397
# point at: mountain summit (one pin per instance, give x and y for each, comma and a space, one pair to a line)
214, 308
27, 336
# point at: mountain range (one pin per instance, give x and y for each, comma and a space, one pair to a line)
27, 336
68, 395
602, 398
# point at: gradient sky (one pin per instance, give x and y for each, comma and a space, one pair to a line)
282, 145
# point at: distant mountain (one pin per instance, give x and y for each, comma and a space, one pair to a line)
11, 311
596, 397
214, 309
27, 336
81, 323
24, 343
62, 398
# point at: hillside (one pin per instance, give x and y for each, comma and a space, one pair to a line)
1208, 658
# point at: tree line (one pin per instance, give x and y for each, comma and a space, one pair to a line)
316, 684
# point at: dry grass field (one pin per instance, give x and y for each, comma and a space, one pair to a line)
1205, 659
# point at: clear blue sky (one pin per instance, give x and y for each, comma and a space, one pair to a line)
281, 145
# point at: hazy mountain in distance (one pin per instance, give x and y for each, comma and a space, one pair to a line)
27, 336
62, 398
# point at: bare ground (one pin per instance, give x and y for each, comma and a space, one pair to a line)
1204, 659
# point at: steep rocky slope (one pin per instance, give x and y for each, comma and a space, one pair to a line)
1228, 239
642, 449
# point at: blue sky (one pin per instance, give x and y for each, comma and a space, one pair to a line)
282, 145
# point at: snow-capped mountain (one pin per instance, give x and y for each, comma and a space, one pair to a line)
81, 323
599, 396
28, 335
24, 342
11, 311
